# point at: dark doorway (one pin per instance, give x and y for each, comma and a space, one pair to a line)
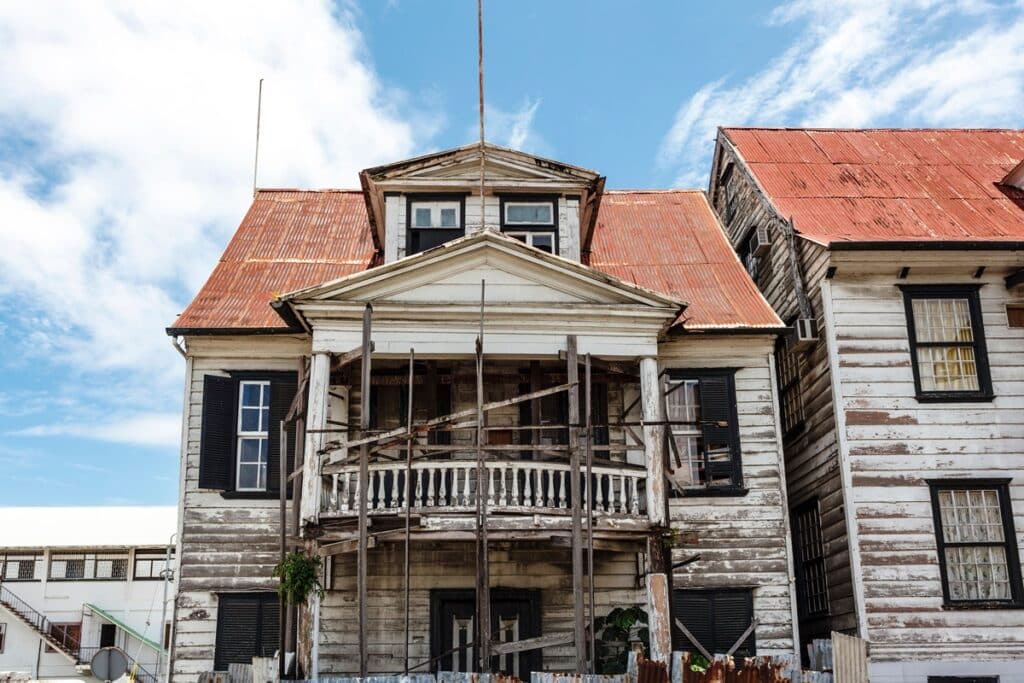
515, 615
108, 635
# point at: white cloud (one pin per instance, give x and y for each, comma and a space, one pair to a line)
143, 429
856, 64
513, 128
126, 144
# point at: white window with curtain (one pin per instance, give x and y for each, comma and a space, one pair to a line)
253, 436
529, 213
437, 214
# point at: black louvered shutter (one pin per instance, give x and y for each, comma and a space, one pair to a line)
238, 623
270, 637
718, 415
217, 441
716, 618
282, 392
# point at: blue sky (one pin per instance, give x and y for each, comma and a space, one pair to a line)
126, 150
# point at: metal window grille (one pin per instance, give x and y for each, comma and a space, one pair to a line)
812, 584
791, 399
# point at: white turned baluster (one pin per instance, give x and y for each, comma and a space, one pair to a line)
467, 497
562, 500
528, 488
394, 488
505, 493
515, 485
492, 491
417, 476
430, 487
442, 487
635, 509
344, 492
550, 489
334, 492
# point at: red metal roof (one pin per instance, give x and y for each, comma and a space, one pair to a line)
289, 239
668, 241
889, 185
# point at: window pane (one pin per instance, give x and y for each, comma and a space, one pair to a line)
942, 320
248, 476
251, 450
448, 218
947, 368
252, 394
543, 242
521, 236
421, 218
977, 573
250, 420
971, 516
539, 214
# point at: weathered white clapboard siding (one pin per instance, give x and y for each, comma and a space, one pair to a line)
812, 461
528, 566
894, 444
395, 222
225, 545
743, 541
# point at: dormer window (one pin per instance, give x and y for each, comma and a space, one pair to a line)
531, 220
433, 221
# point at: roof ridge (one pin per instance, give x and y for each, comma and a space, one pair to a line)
880, 128
670, 190
310, 190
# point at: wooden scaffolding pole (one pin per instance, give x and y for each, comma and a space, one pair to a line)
483, 574
364, 483
408, 507
590, 512
282, 623
579, 633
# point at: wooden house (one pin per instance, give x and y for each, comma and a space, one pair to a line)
895, 257
596, 364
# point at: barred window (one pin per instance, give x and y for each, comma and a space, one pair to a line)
812, 586
21, 567
89, 567
976, 542
947, 343
791, 399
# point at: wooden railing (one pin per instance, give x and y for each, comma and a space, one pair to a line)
513, 486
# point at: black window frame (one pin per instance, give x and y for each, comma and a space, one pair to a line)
729, 195
412, 235
955, 291
3, 636
737, 487
22, 558
88, 562
262, 600
155, 558
963, 679
219, 472
679, 639
553, 228
787, 352
1002, 487
802, 539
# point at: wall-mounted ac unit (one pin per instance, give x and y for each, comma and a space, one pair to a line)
805, 333
760, 241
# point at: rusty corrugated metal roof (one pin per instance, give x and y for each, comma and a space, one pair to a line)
667, 241
289, 239
671, 241
888, 185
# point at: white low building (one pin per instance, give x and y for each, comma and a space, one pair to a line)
75, 579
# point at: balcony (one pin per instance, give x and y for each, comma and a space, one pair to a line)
514, 487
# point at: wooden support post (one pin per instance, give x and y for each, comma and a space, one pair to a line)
654, 440
579, 632
284, 610
364, 484
590, 513
290, 636
483, 574
658, 606
316, 420
407, 501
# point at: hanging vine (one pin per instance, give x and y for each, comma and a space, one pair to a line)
299, 574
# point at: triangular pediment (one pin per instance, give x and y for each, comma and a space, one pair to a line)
512, 273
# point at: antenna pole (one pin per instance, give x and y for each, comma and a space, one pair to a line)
256, 161
480, 74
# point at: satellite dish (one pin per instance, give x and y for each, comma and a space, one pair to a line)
109, 663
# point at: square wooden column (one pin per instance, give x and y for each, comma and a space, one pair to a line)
316, 422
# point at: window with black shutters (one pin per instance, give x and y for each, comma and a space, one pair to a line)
715, 618
705, 447
811, 586
240, 445
247, 627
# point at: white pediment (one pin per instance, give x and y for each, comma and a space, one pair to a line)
512, 273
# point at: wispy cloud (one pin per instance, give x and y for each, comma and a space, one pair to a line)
515, 128
856, 64
126, 142
144, 429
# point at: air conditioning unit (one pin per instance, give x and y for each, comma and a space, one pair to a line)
805, 333
760, 241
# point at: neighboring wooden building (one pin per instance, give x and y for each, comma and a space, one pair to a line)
896, 257
679, 340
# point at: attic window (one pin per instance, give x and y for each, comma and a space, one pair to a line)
433, 220
529, 213
443, 215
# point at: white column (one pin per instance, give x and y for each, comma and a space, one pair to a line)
654, 442
316, 421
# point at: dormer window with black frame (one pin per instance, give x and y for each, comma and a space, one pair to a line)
705, 447
531, 220
434, 220
240, 443
947, 343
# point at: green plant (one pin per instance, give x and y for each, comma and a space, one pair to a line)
699, 663
612, 635
299, 574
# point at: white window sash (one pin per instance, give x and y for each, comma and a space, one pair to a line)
549, 205
435, 208
242, 435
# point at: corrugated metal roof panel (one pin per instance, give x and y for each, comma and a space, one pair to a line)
889, 185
